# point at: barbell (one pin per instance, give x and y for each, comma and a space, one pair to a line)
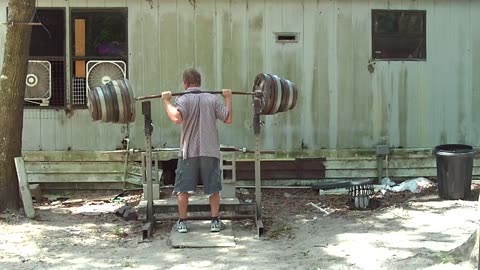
114, 101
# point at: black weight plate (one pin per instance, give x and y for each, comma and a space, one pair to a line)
295, 96
103, 105
132, 100
126, 101
113, 94
92, 107
121, 105
108, 102
285, 95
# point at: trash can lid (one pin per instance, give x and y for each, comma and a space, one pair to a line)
453, 149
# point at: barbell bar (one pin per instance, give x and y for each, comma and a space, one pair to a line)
180, 94
114, 101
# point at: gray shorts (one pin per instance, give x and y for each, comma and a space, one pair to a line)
192, 170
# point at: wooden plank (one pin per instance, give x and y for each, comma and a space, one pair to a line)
79, 38
71, 156
80, 177
80, 166
24, 188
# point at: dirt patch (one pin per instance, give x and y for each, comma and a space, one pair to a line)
84, 233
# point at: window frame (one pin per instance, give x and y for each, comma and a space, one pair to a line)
375, 35
86, 58
29, 105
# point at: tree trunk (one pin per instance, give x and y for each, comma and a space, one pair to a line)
12, 92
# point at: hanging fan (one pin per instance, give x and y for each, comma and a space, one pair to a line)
38, 81
102, 72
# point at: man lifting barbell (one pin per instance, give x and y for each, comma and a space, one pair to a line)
199, 157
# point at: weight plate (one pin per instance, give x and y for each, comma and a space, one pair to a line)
290, 95
97, 103
263, 82
295, 96
285, 94
121, 105
92, 107
278, 92
113, 93
108, 102
132, 101
103, 106
271, 94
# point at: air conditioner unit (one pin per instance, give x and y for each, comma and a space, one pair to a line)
101, 72
38, 88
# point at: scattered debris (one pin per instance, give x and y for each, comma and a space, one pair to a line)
319, 208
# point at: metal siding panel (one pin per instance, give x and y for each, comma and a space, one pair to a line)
362, 95
59, 3
96, 3
234, 71
205, 41
461, 89
293, 71
31, 139
63, 129
169, 70
274, 65
47, 129
152, 67
474, 17
323, 128
44, 3
186, 35
78, 3
115, 3
344, 70
136, 71
310, 86
256, 52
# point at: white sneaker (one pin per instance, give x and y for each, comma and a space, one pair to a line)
217, 225
181, 226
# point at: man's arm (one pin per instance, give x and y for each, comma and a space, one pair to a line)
171, 110
227, 94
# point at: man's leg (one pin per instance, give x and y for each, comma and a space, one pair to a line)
215, 204
182, 205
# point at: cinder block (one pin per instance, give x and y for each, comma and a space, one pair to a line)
156, 191
228, 190
130, 214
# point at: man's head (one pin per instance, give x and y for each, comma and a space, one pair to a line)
191, 78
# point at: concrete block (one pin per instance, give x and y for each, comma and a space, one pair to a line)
156, 191
228, 190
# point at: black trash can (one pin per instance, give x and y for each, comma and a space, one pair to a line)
454, 170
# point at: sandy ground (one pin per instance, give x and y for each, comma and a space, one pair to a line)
407, 232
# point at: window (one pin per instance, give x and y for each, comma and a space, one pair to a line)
47, 47
399, 34
98, 48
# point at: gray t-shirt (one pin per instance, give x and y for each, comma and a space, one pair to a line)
199, 130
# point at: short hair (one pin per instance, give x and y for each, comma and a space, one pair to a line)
192, 77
